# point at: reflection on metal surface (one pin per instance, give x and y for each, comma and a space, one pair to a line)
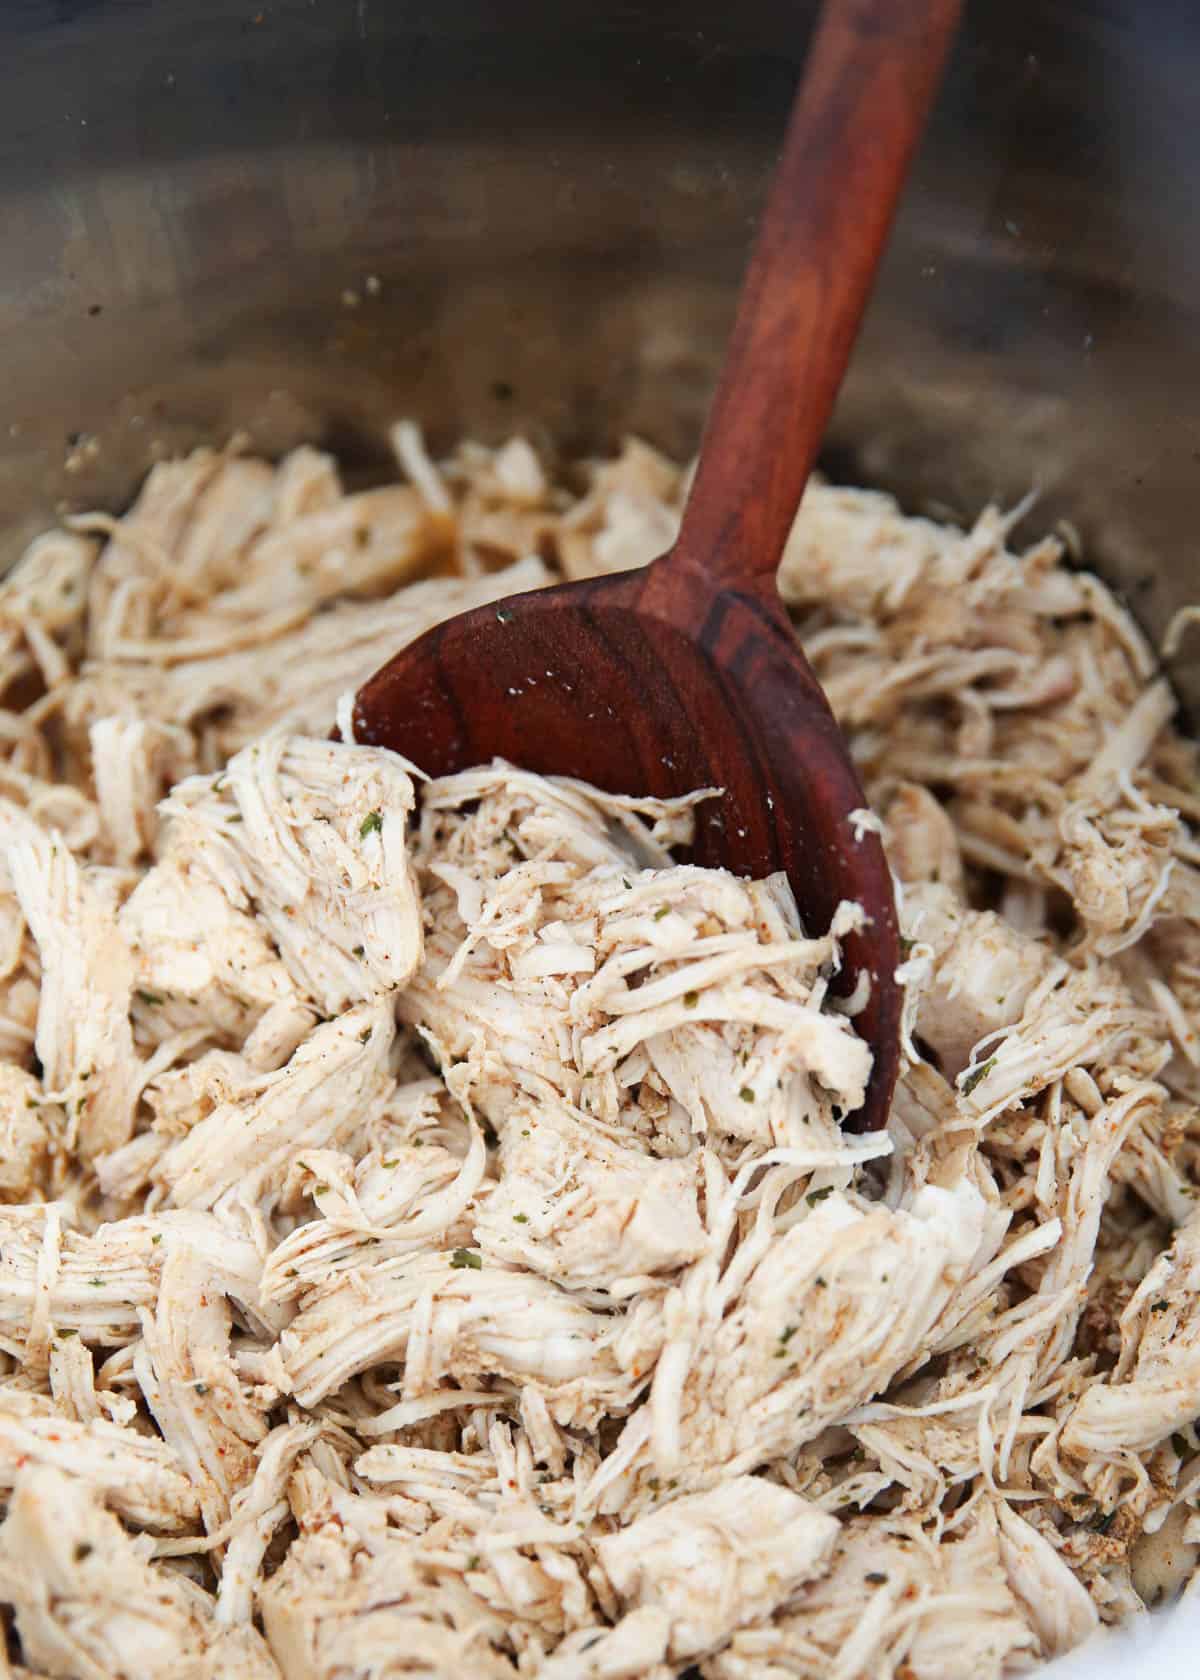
556, 219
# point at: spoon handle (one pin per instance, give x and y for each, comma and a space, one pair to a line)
869, 80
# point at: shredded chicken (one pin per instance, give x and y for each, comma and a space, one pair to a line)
429, 1243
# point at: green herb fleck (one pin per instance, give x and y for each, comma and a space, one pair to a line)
156, 1239
359, 951
815, 1196
1179, 1442
1160, 1306
464, 1258
691, 999
906, 946
65, 1335
663, 910
626, 883
787, 1335
876, 1577
821, 1284
201, 1388
473, 1560
746, 1094
83, 1550
364, 1036
520, 1219
96, 1283
371, 825
1102, 1523
320, 1189
151, 999
395, 1163
976, 1076
235, 817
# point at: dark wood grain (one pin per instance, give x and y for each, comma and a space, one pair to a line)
688, 674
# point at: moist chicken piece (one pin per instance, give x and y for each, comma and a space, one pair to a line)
54, 807
1116, 861
71, 1376
88, 1606
453, 1315
1155, 1388
228, 699
191, 1386
30, 1129
717, 1561
850, 551
46, 588
635, 1649
1016, 1350
577, 1205
773, 1066
138, 1476
1057, 1605
921, 842
19, 999
336, 1608
134, 762
983, 973
186, 1094
197, 953
54, 1278
251, 565
508, 503
131, 579
327, 1092
901, 1599
416, 1197
84, 1040
311, 836
630, 514
505, 1526
257, 1512
1072, 1022
828, 1315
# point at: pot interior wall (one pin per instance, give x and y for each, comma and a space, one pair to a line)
303, 220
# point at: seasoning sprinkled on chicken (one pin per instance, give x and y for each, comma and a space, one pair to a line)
429, 1241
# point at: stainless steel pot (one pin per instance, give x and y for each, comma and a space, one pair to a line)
303, 217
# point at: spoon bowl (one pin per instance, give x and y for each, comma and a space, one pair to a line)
688, 674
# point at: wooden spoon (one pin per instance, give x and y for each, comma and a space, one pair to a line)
687, 674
